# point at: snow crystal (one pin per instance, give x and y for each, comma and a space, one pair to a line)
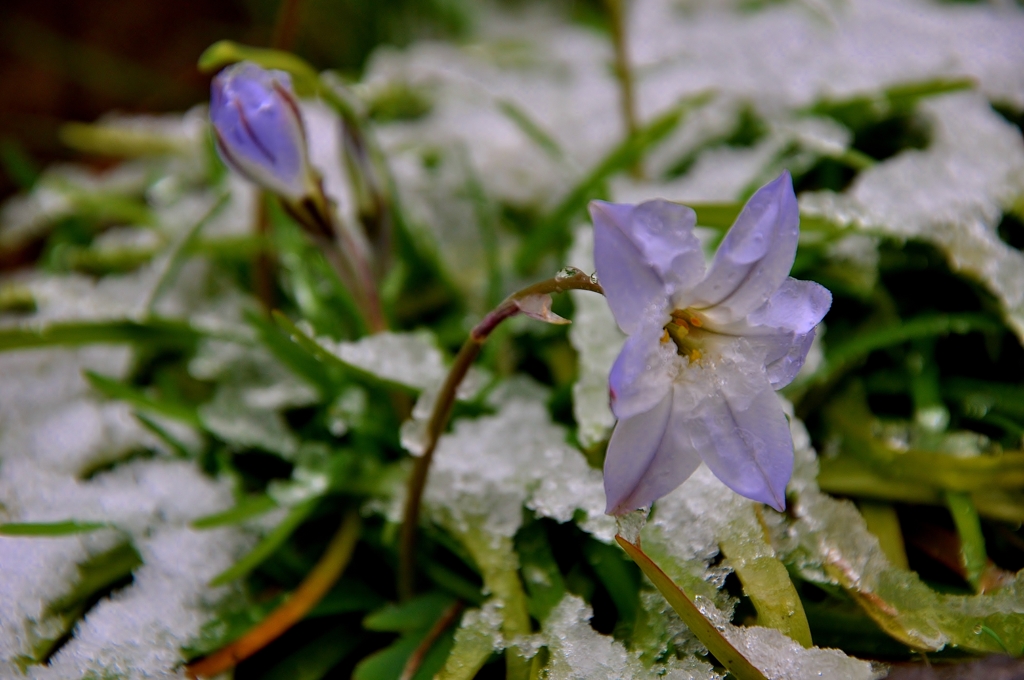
491, 467
411, 359
951, 194
780, 658
597, 340
578, 652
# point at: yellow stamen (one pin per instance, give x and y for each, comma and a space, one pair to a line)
664, 336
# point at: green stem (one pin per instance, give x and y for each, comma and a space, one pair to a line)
577, 280
715, 641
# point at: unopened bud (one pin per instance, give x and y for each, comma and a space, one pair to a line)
259, 129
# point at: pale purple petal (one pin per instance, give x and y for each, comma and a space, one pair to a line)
258, 128
673, 461
632, 448
797, 306
640, 376
743, 436
755, 257
643, 255
784, 327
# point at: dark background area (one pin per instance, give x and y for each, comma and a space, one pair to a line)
62, 60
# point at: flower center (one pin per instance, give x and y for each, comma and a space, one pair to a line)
685, 331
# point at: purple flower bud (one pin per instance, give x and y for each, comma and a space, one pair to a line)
259, 129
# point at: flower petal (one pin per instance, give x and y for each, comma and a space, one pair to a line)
785, 325
797, 306
743, 436
259, 129
643, 255
641, 374
633, 446
671, 464
754, 258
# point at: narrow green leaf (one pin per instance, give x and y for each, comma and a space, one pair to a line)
268, 545
154, 332
885, 526
972, 543
764, 577
554, 228
347, 596
299, 360
180, 251
315, 350
618, 576
160, 431
842, 354
113, 389
541, 575
418, 613
246, 509
387, 663
226, 52
316, 658
716, 643
531, 129
65, 528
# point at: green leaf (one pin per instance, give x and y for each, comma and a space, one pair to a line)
245, 509
270, 543
531, 129
716, 643
764, 577
554, 228
226, 52
321, 354
618, 576
153, 332
842, 355
316, 658
541, 575
884, 524
972, 542
113, 389
347, 596
97, 575
418, 613
291, 354
65, 528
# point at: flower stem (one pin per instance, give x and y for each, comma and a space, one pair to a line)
316, 584
345, 255
416, 658
627, 98
571, 280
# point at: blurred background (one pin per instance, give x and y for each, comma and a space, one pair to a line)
74, 61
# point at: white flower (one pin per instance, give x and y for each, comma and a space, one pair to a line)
696, 379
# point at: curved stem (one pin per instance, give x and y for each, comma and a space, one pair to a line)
316, 584
416, 658
574, 280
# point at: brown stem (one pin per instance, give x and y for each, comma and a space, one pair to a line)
416, 658
570, 280
286, 26
316, 584
627, 99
